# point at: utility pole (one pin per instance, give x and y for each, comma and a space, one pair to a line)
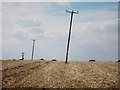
72, 12
22, 56
33, 48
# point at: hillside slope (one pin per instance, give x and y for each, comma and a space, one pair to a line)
57, 74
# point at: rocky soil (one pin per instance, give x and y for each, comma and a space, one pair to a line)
57, 74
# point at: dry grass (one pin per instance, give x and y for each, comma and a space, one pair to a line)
49, 74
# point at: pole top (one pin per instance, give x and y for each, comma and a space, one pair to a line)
33, 39
23, 53
76, 12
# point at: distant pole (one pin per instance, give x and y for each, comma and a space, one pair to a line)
23, 55
72, 12
33, 49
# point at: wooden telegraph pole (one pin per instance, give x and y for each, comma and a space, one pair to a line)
72, 12
23, 55
33, 49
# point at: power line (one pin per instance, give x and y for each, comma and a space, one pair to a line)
72, 12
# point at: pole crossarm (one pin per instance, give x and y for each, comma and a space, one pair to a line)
76, 12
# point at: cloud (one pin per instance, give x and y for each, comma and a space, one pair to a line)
20, 35
63, 3
96, 32
29, 23
37, 31
60, 1
95, 15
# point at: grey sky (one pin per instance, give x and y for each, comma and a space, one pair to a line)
94, 31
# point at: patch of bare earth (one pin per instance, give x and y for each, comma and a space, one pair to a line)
13, 75
48, 74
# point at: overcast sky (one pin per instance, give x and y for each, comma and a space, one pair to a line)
60, 0
94, 30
